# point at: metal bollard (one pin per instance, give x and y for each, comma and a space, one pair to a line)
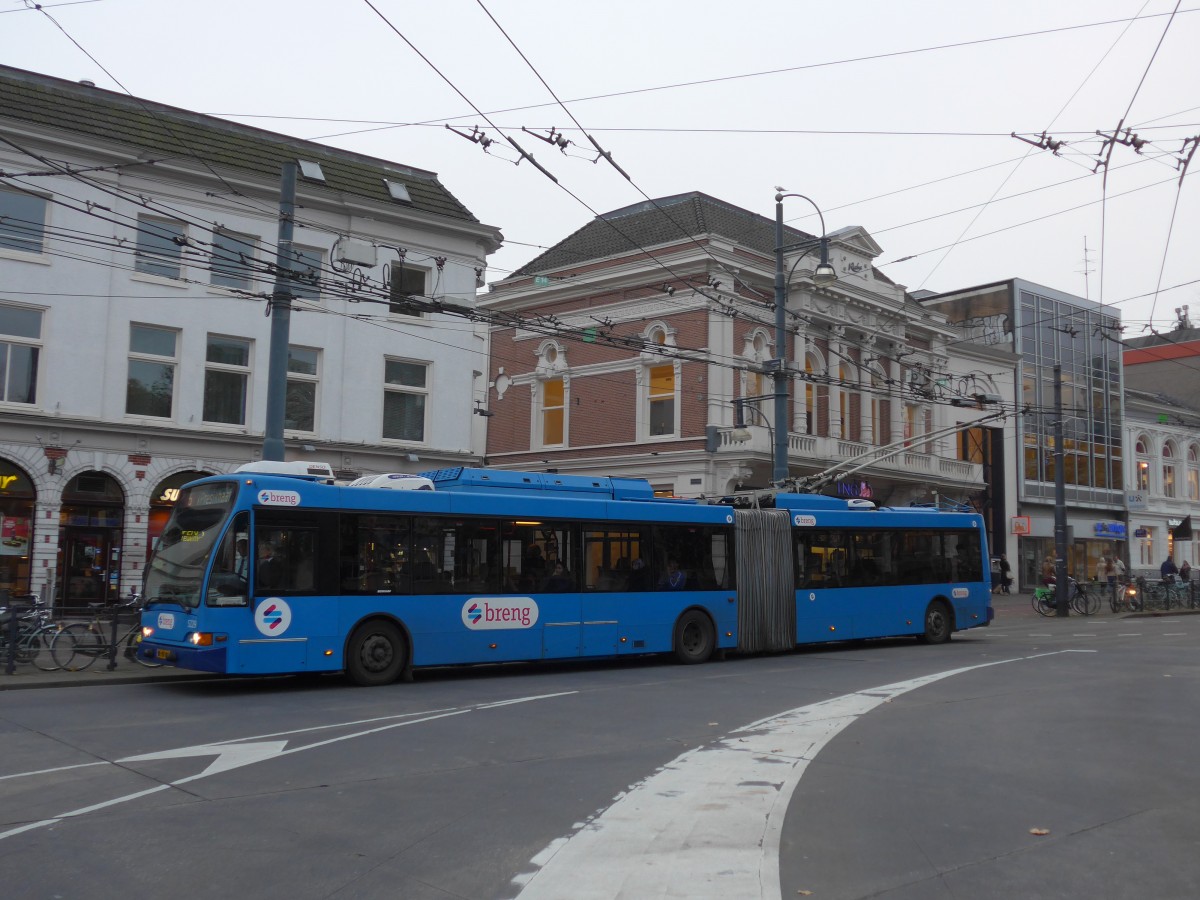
14, 632
112, 646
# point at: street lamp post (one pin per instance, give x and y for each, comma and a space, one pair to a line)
823, 274
740, 431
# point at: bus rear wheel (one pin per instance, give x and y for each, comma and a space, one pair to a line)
695, 639
939, 624
376, 653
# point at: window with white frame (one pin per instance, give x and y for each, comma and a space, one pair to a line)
22, 221
159, 249
303, 378
1169, 455
405, 395
846, 432
150, 389
755, 385
553, 395
233, 257
811, 419
307, 265
20, 350
1193, 472
226, 379
914, 423
660, 401
879, 423
1142, 464
406, 284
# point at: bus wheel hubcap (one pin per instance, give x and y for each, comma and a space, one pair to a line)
377, 652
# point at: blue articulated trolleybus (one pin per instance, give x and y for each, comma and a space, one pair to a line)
277, 569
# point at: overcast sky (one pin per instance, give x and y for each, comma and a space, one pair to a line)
895, 115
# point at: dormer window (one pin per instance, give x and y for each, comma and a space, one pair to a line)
397, 191
311, 170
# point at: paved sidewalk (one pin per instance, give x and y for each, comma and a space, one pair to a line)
1020, 606
127, 672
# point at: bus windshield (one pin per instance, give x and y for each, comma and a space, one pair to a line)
176, 571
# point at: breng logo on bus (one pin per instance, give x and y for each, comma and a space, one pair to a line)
494, 613
278, 498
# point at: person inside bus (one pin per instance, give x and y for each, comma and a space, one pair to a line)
269, 571
535, 563
674, 579
558, 581
639, 577
241, 558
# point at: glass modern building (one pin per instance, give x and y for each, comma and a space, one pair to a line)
1056, 336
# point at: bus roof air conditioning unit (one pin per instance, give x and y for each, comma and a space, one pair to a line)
395, 481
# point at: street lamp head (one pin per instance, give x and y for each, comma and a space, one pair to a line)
824, 274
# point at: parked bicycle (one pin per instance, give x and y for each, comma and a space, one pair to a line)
35, 631
1124, 598
1083, 600
1149, 595
80, 644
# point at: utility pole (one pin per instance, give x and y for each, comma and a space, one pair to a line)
281, 319
1062, 593
823, 274
779, 453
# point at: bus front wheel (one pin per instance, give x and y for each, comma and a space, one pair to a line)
376, 653
938, 623
695, 639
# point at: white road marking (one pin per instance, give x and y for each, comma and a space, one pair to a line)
708, 824
59, 769
235, 755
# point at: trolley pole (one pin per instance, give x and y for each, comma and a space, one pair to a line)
281, 319
1062, 593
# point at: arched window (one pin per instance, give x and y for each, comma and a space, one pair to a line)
812, 417
1141, 476
1169, 457
659, 385
757, 388
550, 397
1193, 472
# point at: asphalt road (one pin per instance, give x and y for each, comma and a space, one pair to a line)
888, 770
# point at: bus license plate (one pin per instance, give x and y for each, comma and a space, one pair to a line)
164, 654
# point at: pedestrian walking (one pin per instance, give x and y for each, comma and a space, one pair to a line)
1185, 571
1005, 574
1168, 570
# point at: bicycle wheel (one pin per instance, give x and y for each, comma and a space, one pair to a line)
29, 648
1043, 602
132, 644
44, 660
1089, 601
76, 647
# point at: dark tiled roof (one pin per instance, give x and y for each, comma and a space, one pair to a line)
165, 131
663, 221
